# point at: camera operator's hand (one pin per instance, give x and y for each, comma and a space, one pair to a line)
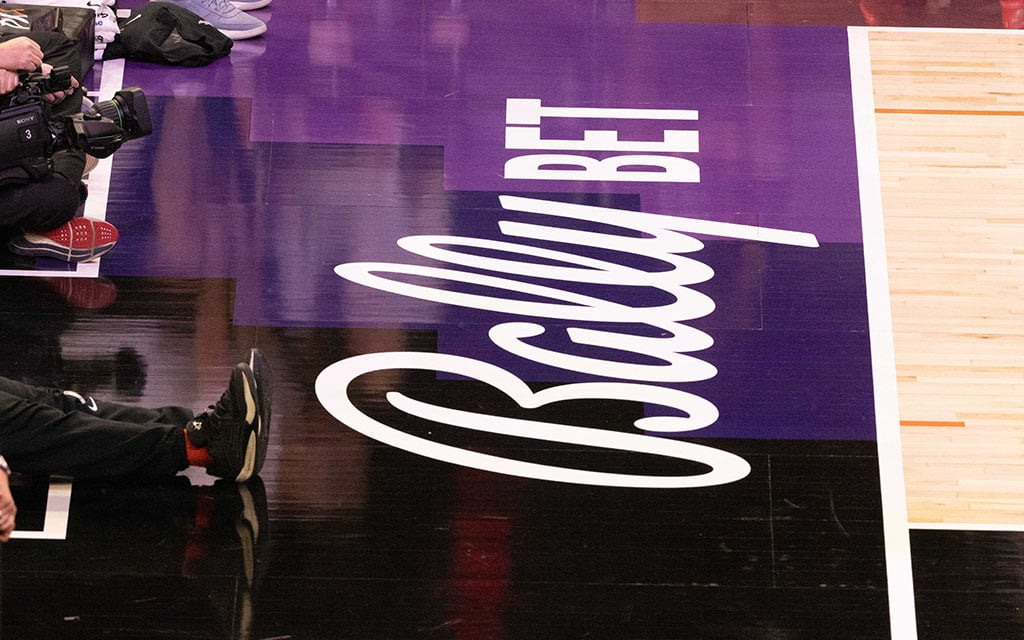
8, 81
7, 509
57, 96
20, 54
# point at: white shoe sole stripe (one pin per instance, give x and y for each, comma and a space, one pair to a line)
243, 34
251, 419
252, 366
250, 459
250, 401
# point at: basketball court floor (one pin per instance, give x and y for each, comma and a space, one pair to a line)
653, 319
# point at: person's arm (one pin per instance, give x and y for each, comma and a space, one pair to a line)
7, 507
17, 54
9, 80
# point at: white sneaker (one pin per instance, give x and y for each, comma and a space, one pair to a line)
225, 17
250, 5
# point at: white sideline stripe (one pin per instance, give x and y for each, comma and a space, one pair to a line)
111, 78
899, 571
948, 30
58, 507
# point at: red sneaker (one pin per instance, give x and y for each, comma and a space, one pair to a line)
78, 240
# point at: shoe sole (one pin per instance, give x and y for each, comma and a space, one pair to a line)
244, 34
43, 248
258, 398
251, 395
264, 388
250, 6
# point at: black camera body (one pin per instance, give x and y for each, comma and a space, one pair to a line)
30, 134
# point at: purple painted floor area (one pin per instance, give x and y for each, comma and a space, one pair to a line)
356, 128
768, 97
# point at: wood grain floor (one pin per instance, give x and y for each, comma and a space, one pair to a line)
950, 115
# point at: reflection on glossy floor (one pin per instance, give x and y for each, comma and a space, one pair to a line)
568, 309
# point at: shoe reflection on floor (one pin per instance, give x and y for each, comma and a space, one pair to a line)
170, 554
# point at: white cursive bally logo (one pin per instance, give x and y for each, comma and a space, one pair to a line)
664, 239
332, 390
666, 357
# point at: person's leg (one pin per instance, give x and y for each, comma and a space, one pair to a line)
56, 431
38, 206
45, 431
69, 400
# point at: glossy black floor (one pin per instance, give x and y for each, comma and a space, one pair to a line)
360, 540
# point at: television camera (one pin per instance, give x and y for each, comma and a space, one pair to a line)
30, 133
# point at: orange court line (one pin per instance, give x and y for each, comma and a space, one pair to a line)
931, 423
949, 112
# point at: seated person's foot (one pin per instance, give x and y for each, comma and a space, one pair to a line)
78, 240
225, 17
232, 431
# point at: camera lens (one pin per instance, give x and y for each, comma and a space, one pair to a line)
128, 110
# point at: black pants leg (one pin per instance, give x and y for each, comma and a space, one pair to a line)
48, 203
49, 431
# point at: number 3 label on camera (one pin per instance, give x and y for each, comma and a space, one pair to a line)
26, 127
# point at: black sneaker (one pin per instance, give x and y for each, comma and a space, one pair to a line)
229, 429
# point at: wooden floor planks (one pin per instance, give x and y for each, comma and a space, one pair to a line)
951, 184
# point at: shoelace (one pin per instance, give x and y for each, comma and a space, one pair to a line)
215, 411
223, 7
